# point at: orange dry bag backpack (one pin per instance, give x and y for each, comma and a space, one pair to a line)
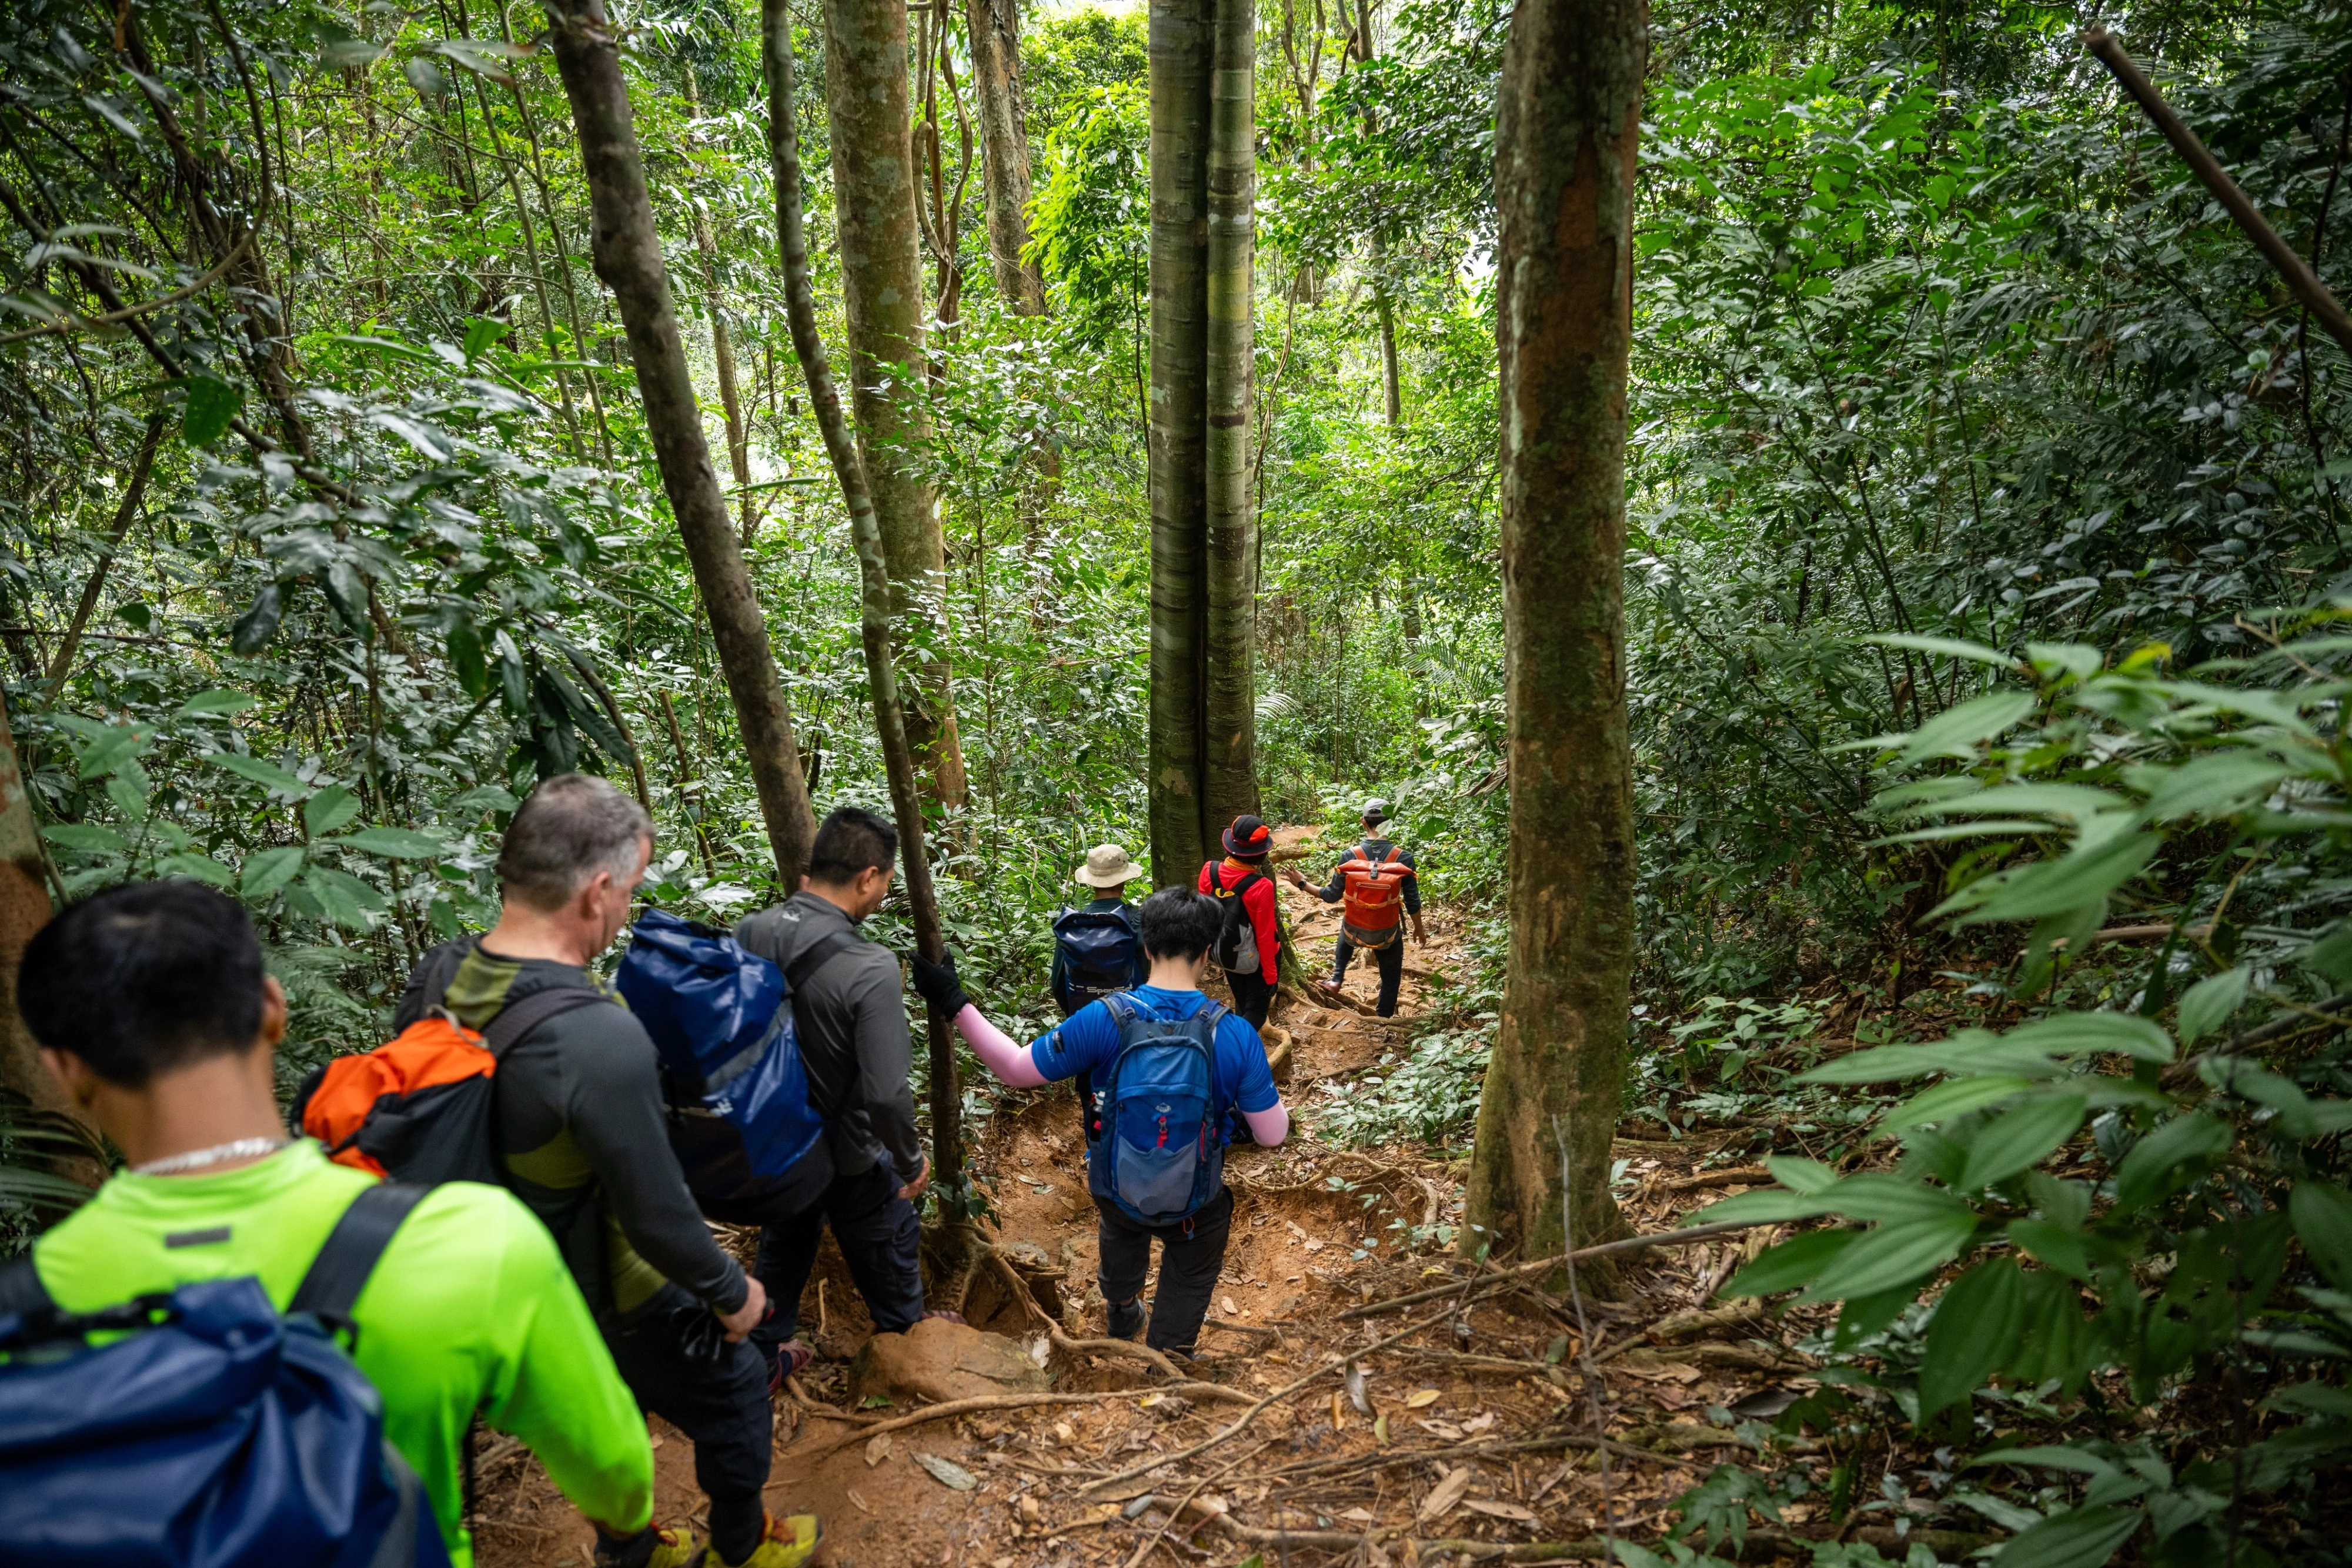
418, 1108
1373, 913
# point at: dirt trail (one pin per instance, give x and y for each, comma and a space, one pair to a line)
1315, 1231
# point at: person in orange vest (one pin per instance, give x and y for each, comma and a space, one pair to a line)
1249, 935
1380, 888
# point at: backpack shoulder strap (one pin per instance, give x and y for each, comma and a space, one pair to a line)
814, 956
21, 1290
517, 1020
341, 1270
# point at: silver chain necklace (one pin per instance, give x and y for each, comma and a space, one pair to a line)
197, 1159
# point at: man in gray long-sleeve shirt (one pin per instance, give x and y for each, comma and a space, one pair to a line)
581, 1136
849, 1007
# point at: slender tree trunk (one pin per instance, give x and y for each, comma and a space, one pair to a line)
23, 910
627, 250
995, 29
127, 512
1180, 68
722, 346
1565, 138
875, 602
1229, 695
882, 283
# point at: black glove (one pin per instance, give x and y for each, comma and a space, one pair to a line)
936, 983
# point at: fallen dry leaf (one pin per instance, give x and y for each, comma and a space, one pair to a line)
877, 1450
1421, 1399
1479, 1423
1361, 1516
1444, 1495
863, 1506
1231, 1311
1510, 1510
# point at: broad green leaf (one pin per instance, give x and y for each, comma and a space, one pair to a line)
2078, 802
2331, 956
216, 701
1956, 731
127, 790
2207, 1004
1879, 1064
2060, 1246
212, 403
267, 871
1971, 1335
1957, 1098
2020, 1139
1951, 646
2049, 1456
1800, 1175
2069, 1034
1768, 1205
1790, 1264
2079, 1538
258, 623
397, 843
345, 898
486, 798
2219, 784
2322, 1223
1885, 1195
329, 809
111, 747
2079, 660
260, 772
87, 838
2080, 877
1892, 1256
2168, 1158
202, 868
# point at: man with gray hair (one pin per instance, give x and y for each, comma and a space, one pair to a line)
580, 1132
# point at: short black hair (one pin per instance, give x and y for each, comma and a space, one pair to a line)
1178, 923
851, 840
144, 978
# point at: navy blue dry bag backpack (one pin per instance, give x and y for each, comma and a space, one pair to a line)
208, 1431
721, 1020
1101, 954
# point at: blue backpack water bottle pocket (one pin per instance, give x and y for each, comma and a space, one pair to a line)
1160, 1145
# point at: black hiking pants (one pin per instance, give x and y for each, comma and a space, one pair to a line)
1253, 994
675, 1357
880, 1236
1390, 960
1192, 1254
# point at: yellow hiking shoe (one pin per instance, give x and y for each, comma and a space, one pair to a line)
785, 1543
674, 1547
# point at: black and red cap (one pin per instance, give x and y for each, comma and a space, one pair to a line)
1248, 839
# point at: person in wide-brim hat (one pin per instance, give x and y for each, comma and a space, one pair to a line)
1249, 840
1108, 866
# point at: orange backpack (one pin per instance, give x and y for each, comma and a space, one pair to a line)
1373, 914
418, 1108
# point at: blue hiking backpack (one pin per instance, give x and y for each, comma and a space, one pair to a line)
1100, 953
214, 1433
1162, 1156
738, 1093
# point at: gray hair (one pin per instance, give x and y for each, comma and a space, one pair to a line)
572, 826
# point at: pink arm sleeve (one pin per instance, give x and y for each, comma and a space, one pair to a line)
1269, 1126
1003, 1055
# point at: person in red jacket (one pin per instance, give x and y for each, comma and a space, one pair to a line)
1249, 943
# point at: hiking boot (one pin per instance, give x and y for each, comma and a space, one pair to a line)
673, 1547
1127, 1319
786, 1542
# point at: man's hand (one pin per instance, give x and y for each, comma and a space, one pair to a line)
936, 983
1420, 934
748, 1316
921, 1183
1296, 881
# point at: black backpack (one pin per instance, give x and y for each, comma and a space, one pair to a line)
1235, 949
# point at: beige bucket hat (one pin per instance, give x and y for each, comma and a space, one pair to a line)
1108, 866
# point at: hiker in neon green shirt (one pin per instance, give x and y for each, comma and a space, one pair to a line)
152, 1010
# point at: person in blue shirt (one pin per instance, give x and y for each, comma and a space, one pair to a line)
1178, 924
